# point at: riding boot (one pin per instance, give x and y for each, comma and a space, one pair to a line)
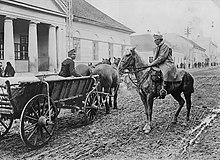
163, 91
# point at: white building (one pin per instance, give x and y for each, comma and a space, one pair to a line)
35, 35
32, 34
211, 49
94, 34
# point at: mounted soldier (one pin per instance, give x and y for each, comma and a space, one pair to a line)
163, 59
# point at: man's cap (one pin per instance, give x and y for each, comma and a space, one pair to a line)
157, 36
71, 52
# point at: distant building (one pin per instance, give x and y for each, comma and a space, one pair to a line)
211, 49
145, 45
193, 53
94, 34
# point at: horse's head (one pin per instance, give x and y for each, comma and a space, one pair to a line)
127, 61
116, 61
106, 61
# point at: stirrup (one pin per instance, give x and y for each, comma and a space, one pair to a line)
163, 93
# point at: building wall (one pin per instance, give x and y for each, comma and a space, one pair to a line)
50, 52
89, 33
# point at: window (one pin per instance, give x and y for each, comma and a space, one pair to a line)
21, 49
76, 45
110, 50
122, 50
95, 51
1, 45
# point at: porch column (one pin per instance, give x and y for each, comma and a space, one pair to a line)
61, 46
52, 49
9, 54
32, 47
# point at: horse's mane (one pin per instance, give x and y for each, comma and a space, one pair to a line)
141, 63
139, 59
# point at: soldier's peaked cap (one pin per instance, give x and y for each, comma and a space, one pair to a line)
157, 36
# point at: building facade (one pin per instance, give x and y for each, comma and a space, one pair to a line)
35, 35
94, 34
32, 36
211, 49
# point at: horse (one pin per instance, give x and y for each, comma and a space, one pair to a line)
109, 82
108, 77
86, 70
115, 62
83, 69
149, 83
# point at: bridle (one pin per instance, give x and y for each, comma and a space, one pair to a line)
132, 68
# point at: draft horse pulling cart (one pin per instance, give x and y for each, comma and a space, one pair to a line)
37, 102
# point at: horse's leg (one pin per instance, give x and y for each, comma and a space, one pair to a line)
107, 90
177, 97
110, 98
115, 97
188, 104
99, 88
148, 104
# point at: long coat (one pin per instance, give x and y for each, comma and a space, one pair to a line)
68, 68
9, 71
163, 59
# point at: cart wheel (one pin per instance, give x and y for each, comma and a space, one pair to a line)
6, 122
91, 106
36, 129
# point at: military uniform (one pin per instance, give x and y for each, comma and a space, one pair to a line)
68, 68
163, 59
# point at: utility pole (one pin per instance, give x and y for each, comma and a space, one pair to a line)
211, 47
69, 23
188, 32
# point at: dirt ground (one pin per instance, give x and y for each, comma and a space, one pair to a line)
119, 135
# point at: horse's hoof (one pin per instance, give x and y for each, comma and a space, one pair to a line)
115, 108
147, 131
146, 128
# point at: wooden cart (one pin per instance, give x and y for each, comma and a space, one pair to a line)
37, 101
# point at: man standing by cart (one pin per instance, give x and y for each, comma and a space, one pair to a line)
68, 66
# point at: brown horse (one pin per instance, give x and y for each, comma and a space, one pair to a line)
108, 77
116, 62
109, 81
86, 70
149, 82
83, 69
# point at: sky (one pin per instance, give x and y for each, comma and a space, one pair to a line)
165, 16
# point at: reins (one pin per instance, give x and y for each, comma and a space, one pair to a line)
139, 69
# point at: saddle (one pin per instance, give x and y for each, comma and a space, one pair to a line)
157, 76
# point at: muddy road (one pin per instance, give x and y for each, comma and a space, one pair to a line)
119, 135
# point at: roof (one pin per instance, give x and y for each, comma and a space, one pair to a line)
50, 6
195, 45
85, 12
145, 42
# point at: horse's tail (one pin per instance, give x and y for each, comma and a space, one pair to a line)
188, 83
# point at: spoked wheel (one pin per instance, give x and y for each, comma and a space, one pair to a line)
6, 122
36, 129
91, 106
